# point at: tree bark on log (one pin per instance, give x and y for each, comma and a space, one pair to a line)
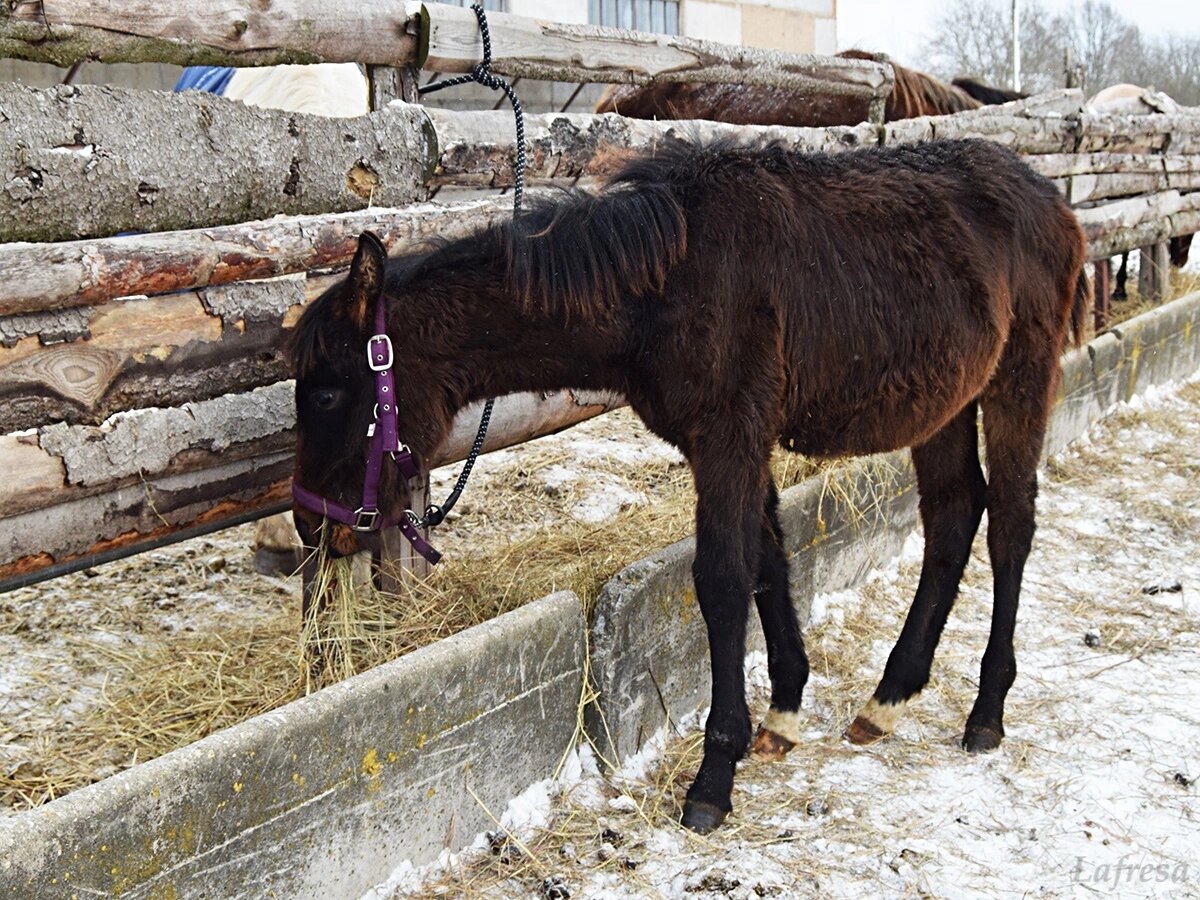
478, 149
83, 490
1114, 228
229, 33
93, 161
1158, 133
1025, 135
41, 277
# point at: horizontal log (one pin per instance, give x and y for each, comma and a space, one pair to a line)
478, 149
63, 507
1022, 134
434, 36
1065, 165
40, 277
92, 161
1106, 185
139, 514
70, 154
1124, 225
1157, 133
550, 51
229, 33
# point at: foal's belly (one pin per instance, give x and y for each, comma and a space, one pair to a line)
854, 419
869, 431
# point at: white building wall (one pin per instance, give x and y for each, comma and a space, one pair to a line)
571, 12
800, 26
711, 21
825, 35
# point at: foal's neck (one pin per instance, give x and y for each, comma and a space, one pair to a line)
478, 341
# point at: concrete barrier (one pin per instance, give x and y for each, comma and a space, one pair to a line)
1156, 347
323, 797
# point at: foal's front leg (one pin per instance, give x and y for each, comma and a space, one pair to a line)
726, 552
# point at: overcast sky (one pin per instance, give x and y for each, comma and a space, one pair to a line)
899, 28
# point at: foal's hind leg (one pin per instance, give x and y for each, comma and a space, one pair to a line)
1014, 423
953, 493
786, 660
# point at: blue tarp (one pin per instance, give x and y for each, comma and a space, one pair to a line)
211, 79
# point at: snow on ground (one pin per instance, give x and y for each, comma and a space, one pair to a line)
1092, 793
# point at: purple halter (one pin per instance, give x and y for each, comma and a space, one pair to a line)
384, 439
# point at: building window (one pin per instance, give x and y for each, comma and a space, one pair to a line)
661, 16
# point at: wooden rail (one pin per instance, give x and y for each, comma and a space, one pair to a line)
434, 36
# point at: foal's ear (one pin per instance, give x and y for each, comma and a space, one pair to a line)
366, 279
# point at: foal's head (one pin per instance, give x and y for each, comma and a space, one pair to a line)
336, 401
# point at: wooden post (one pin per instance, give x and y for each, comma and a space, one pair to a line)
397, 567
1153, 268
1101, 293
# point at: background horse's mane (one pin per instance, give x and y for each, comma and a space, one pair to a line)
985, 93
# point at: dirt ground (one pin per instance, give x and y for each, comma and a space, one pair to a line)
1093, 792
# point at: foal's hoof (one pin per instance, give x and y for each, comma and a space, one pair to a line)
981, 739
702, 817
770, 746
864, 732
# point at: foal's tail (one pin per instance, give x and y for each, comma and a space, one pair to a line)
1080, 306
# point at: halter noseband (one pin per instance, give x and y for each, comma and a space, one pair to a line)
382, 433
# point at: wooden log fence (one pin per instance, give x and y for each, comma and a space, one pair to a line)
432, 36
79, 491
140, 376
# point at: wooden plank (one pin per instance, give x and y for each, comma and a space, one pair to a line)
478, 149
38, 277
93, 161
85, 490
228, 32
1157, 133
550, 51
1113, 228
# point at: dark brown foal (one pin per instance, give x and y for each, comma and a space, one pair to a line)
739, 297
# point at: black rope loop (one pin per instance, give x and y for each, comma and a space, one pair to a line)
481, 73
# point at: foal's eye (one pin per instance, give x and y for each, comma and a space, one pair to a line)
326, 399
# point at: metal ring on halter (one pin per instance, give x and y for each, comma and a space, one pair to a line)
365, 519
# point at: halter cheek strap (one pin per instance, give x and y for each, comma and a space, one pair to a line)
384, 439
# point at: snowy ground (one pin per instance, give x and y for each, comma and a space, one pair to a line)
1092, 793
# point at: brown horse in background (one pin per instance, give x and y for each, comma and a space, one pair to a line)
740, 298
913, 94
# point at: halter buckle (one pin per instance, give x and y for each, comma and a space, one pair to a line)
387, 344
365, 519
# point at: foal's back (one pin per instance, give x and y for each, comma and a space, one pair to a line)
877, 290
